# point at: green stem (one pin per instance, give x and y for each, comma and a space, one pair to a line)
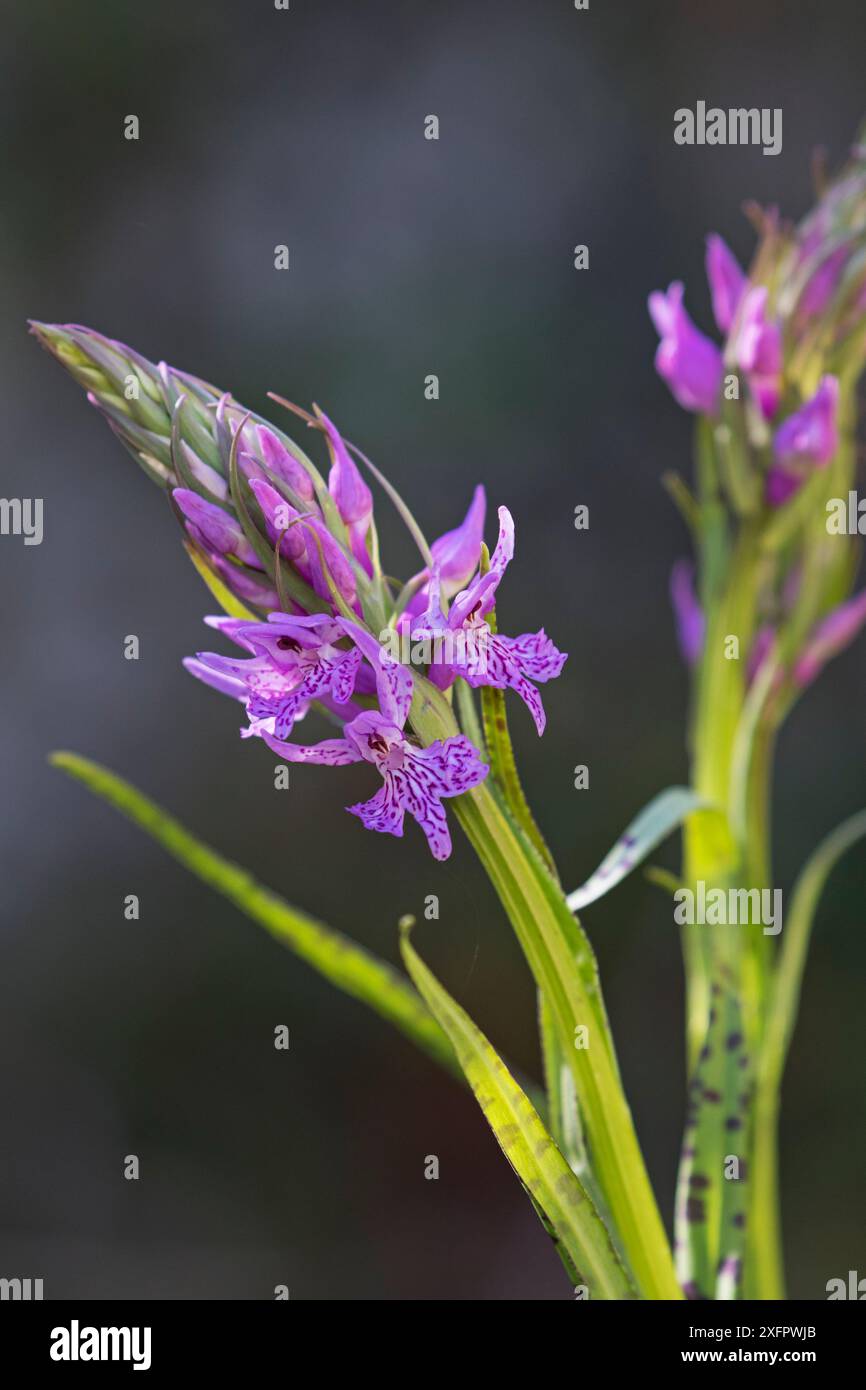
764, 1263
765, 1276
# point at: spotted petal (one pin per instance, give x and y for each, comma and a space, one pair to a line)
331, 752
479, 595
510, 661
393, 681
384, 811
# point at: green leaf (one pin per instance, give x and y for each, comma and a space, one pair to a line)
563, 966
653, 824
559, 1196
338, 959
563, 1110
764, 1272
562, 1105
684, 500
788, 976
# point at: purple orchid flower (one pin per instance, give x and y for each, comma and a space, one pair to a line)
687, 360
808, 439
456, 554
727, 281
470, 649
414, 779
831, 636
353, 498
688, 614
759, 350
294, 661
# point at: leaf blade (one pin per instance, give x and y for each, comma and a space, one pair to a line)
561, 1198
640, 837
338, 959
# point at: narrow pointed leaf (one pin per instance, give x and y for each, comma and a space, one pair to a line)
788, 978
654, 823
563, 965
568, 1210
338, 959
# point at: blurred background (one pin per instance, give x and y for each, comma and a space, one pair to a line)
408, 257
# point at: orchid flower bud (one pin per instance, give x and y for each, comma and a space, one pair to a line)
688, 613
808, 439
759, 350
687, 360
727, 282
831, 636
353, 498
213, 527
277, 458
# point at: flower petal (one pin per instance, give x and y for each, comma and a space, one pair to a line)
331, 752
394, 683
383, 812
